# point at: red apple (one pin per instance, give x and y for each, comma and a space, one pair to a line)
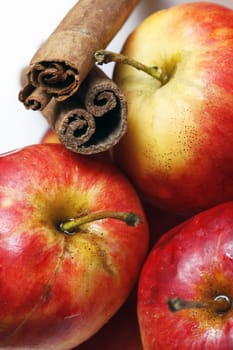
190, 271
121, 332
178, 146
68, 255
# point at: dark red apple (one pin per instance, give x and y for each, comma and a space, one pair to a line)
73, 236
190, 271
160, 221
121, 332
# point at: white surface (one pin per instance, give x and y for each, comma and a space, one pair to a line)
24, 25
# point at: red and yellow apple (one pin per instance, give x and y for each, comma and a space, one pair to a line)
122, 330
178, 146
190, 271
73, 237
50, 137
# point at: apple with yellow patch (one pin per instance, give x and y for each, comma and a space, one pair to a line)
178, 146
73, 237
50, 137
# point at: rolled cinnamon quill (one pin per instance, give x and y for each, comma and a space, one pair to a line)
63, 61
33, 97
93, 119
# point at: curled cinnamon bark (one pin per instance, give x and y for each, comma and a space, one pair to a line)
63, 61
73, 124
94, 119
34, 98
100, 94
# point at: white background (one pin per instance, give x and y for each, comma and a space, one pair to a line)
24, 25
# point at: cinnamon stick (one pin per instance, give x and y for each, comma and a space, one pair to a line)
93, 119
63, 61
33, 97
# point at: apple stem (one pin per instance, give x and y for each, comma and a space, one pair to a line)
71, 226
220, 304
105, 56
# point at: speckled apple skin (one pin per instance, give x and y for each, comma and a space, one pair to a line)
193, 261
58, 290
179, 141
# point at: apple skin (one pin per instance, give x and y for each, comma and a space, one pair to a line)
58, 290
50, 137
192, 261
178, 146
121, 332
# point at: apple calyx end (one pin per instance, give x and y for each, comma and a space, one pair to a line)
72, 226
